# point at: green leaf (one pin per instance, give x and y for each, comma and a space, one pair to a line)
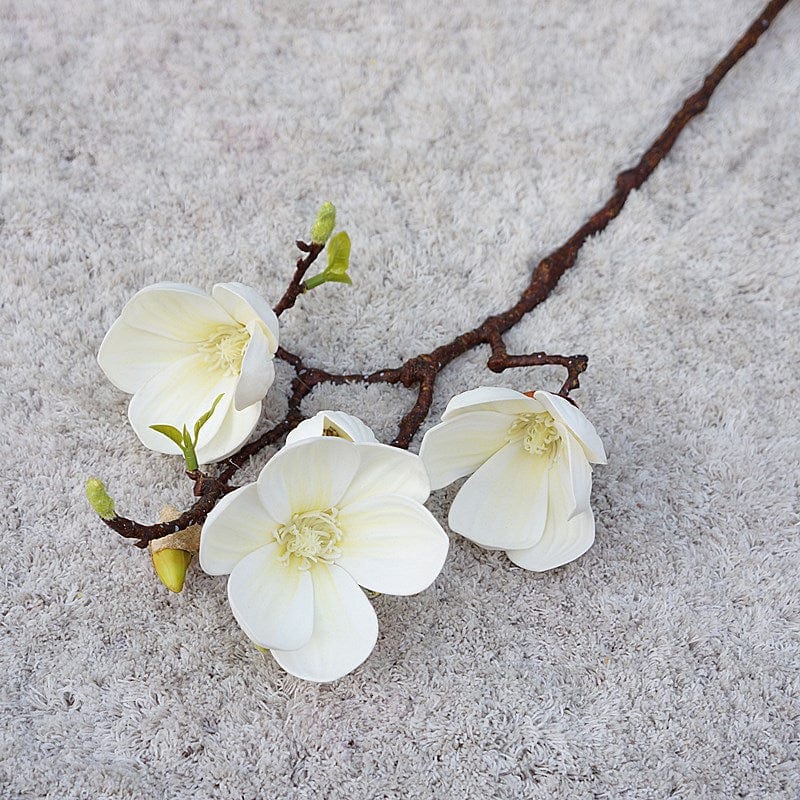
206, 417
338, 278
323, 224
338, 255
189, 455
170, 433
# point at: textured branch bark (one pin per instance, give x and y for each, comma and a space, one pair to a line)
422, 370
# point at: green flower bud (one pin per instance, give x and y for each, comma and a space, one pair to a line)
170, 566
323, 224
99, 499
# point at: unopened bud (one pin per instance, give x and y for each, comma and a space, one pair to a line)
99, 499
323, 224
170, 566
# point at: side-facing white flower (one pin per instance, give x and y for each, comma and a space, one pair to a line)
333, 423
176, 349
325, 516
531, 456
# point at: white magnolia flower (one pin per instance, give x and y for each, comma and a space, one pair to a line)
332, 423
326, 516
531, 456
176, 349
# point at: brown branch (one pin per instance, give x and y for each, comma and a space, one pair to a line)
500, 361
209, 490
296, 286
422, 370
550, 269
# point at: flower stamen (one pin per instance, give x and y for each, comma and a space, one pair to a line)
224, 349
311, 536
538, 433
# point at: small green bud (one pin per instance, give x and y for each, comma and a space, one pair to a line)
323, 224
99, 499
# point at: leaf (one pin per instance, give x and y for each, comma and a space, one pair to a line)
338, 255
170, 433
206, 417
338, 278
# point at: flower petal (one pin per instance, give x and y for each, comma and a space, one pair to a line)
491, 398
311, 475
458, 446
563, 411
130, 357
235, 429
574, 472
237, 526
387, 470
272, 601
175, 311
179, 396
258, 371
564, 539
346, 425
391, 544
307, 429
245, 305
344, 633
504, 504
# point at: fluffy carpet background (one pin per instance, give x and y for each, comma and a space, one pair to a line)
192, 142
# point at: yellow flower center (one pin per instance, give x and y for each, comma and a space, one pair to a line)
224, 348
537, 431
310, 537
334, 430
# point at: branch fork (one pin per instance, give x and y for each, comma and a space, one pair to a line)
422, 370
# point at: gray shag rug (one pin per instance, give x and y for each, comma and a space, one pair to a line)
192, 142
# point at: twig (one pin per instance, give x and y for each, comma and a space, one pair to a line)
422, 370
296, 287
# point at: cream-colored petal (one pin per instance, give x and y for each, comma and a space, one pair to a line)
245, 305
491, 398
345, 425
178, 396
391, 544
307, 429
564, 539
573, 471
311, 475
130, 357
387, 470
458, 446
504, 504
258, 370
236, 526
235, 429
272, 601
175, 311
344, 632
574, 419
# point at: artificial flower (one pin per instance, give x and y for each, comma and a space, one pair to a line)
176, 349
325, 517
332, 423
530, 459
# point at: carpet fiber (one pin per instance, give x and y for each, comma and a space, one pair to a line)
460, 142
